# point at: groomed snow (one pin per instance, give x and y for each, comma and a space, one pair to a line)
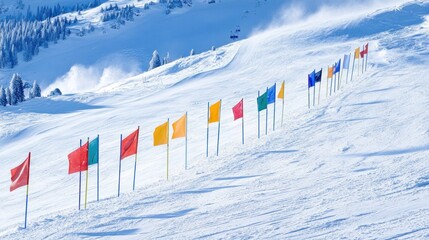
354, 166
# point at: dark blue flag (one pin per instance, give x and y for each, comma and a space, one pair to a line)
318, 76
312, 79
272, 94
337, 66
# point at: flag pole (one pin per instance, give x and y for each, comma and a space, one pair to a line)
186, 143
242, 125
218, 128
135, 159
358, 63
330, 88
283, 102
341, 77
86, 182
327, 81
80, 176
353, 68
266, 116
274, 111
337, 77
338, 80
259, 121
367, 53
168, 143
348, 68
335, 81
26, 195
314, 93
207, 146
363, 59
340, 73
98, 168
308, 97
320, 88
119, 181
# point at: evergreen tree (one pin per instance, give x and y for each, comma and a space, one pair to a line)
3, 100
35, 90
187, 2
8, 96
192, 52
155, 61
16, 89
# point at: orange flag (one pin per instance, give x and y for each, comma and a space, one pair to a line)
281, 93
330, 72
214, 115
160, 135
179, 127
357, 53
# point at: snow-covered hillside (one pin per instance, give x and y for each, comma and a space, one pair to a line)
354, 166
127, 51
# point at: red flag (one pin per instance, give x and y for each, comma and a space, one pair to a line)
129, 144
237, 110
78, 159
20, 175
364, 51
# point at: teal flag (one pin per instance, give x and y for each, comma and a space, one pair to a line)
263, 101
93, 152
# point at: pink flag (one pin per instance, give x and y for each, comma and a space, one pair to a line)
237, 110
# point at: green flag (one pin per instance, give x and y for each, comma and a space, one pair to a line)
262, 102
93, 152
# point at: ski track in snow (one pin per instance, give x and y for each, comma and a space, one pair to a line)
353, 167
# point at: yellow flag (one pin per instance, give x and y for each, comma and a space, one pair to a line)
214, 115
160, 135
282, 91
357, 53
330, 72
179, 128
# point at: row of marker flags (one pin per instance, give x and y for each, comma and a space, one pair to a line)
88, 153
335, 74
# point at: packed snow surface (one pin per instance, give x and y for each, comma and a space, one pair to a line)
355, 166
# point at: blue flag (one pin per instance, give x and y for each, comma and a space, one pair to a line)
312, 79
318, 76
346, 61
337, 66
272, 94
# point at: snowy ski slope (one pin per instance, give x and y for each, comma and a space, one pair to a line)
353, 167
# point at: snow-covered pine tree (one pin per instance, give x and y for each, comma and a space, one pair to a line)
177, 3
8, 96
16, 89
3, 99
155, 61
35, 90
192, 53
187, 2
